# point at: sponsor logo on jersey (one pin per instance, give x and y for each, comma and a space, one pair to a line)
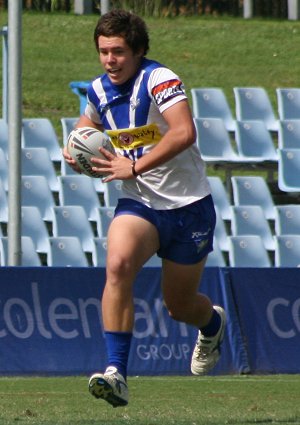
132, 138
167, 90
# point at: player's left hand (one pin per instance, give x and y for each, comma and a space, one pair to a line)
119, 167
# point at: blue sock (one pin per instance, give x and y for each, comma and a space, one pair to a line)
118, 346
213, 326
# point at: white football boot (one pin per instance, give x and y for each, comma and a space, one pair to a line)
110, 386
207, 349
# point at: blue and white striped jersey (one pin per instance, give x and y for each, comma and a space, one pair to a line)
131, 114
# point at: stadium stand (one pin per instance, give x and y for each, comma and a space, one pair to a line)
66, 251
289, 134
288, 170
287, 251
29, 256
248, 251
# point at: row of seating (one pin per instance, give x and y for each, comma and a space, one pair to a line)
251, 103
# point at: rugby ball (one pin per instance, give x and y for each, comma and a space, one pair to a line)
83, 144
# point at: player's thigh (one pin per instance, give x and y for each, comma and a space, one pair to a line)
132, 239
180, 282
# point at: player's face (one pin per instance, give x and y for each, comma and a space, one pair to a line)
117, 59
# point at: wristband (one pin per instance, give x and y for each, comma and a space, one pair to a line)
134, 173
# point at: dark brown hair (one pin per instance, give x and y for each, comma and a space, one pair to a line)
131, 27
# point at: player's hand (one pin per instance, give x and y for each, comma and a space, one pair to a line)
70, 161
119, 167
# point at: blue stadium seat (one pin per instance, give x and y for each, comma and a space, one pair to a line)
79, 190
4, 169
288, 100
3, 204
35, 227
254, 142
289, 170
66, 251
37, 162
253, 190
287, 219
39, 132
68, 124
214, 141
287, 251
289, 134
72, 220
4, 136
36, 192
29, 256
103, 220
253, 103
216, 257
250, 220
100, 253
220, 197
80, 88
221, 235
212, 103
248, 251
112, 192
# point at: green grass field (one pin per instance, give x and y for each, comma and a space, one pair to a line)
238, 400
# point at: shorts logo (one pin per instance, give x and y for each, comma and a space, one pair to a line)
165, 91
201, 244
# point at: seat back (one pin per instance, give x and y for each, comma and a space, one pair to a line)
253, 103
100, 252
288, 170
220, 197
4, 136
287, 251
66, 251
79, 190
255, 141
250, 220
212, 103
216, 257
288, 100
253, 190
213, 140
67, 124
104, 218
72, 220
37, 162
287, 219
29, 256
112, 192
35, 227
247, 251
36, 192
289, 134
39, 132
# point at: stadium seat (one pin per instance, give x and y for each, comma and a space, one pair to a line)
248, 251
112, 192
288, 100
35, 227
67, 124
37, 162
80, 88
72, 220
253, 190
39, 132
36, 192
100, 253
66, 251
287, 251
103, 220
254, 142
216, 257
4, 169
221, 236
214, 141
288, 170
289, 134
3, 204
4, 136
220, 197
29, 256
212, 103
253, 103
79, 190
287, 219
250, 220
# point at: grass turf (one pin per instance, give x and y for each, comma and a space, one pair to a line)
185, 400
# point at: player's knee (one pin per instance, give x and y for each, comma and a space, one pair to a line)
119, 266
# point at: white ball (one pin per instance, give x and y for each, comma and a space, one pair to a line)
83, 144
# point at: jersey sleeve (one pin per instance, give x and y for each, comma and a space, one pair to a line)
165, 88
